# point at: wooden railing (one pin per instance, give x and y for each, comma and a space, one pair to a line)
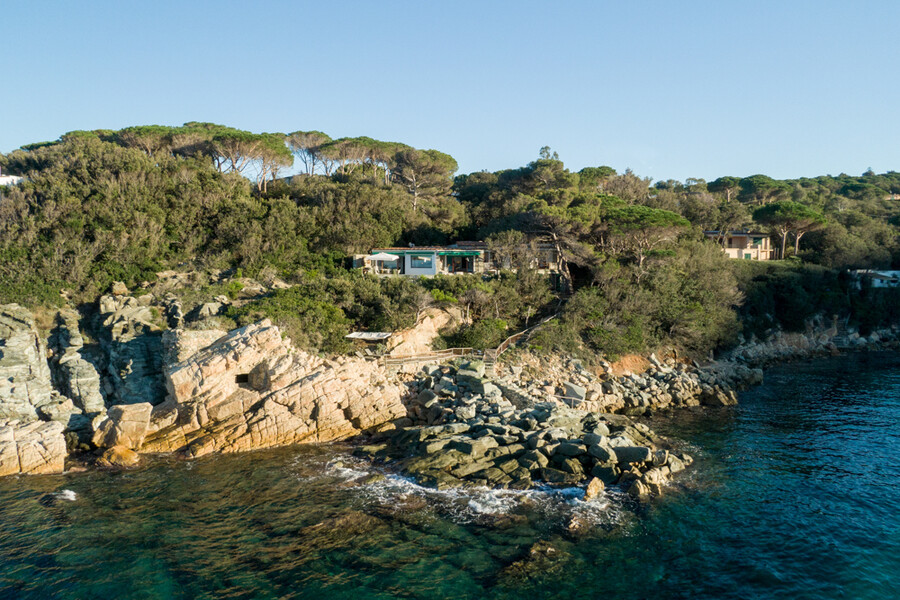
518, 336
436, 356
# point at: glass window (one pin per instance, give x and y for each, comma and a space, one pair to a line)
419, 261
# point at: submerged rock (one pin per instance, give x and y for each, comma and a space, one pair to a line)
543, 560
118, 456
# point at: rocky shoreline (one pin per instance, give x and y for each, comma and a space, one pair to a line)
138, 389
511, 431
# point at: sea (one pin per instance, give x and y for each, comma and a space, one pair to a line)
795, 493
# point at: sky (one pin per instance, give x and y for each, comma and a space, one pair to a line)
672, 90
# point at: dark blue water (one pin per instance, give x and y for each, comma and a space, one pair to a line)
794, 495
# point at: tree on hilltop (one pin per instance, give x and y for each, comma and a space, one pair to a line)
727, 185
788, 217
426, 174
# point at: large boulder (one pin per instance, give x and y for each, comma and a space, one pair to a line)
631, 454
118, 456
125, 425
24, 372
35, 447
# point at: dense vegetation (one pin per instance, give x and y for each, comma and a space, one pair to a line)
636, 270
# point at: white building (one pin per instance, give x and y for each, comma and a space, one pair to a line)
878, 279
10, 179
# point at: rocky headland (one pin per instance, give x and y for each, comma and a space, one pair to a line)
140, 383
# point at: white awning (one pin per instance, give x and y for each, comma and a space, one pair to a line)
382, 256
369, 336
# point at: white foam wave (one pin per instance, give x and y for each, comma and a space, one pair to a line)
67, 495
463, 505
470, 504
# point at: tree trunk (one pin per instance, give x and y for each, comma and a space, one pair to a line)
784, 235
562, 266
797, 236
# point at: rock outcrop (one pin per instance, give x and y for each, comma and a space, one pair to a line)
133, 344
419, 339
817, 340
24, 373
251, 389
465, 432
74, 376
35, 447
664, 384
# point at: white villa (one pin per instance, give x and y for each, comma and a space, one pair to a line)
461, 257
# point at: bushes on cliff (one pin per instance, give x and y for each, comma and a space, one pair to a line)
787, 295
92, 212
685, 299
481, 335
310, 323
102, 206
319, 311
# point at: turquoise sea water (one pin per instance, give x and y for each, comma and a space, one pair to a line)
794, 494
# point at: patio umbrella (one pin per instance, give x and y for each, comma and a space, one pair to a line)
382, 256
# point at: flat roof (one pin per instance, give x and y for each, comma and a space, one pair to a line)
739, 233
440, 250
369, 336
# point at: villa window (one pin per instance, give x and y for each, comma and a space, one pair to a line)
421, 261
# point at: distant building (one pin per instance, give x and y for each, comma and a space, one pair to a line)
877, 279
10, 179
746, 245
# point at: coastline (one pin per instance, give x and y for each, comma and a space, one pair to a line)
552, 422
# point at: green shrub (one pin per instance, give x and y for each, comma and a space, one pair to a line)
481, 335
311, 323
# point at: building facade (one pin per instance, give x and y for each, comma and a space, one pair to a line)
745, 245
461, 257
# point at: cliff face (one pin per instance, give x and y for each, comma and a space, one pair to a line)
27, 445
419, 339
251, 389
24, 373
196, 392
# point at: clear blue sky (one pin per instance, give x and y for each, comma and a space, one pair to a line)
670, 89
